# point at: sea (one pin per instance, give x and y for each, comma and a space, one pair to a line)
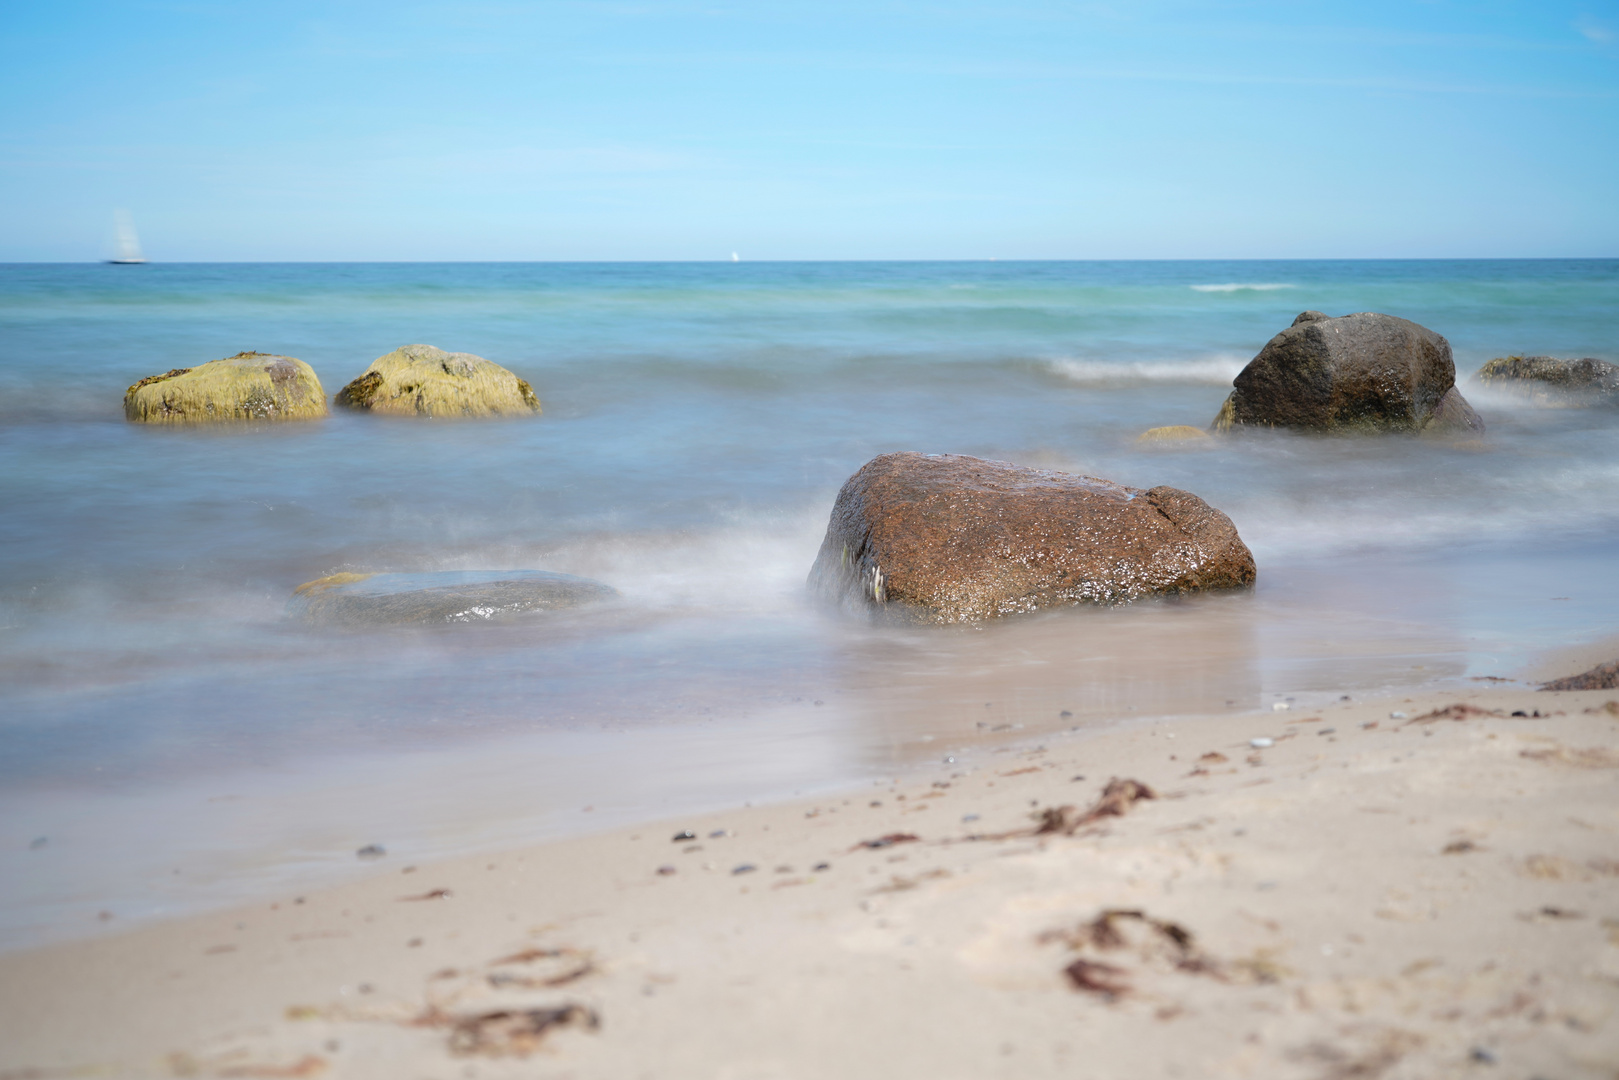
172, 741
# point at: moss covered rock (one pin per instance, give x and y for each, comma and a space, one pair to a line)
247, 386
439, 598
419, 380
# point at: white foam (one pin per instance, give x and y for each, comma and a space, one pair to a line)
1217, 370
1243, 286
752, 563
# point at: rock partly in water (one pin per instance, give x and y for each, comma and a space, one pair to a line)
1364, 372
943, 538
1601, 677
419, 380
1173, 433
1551, 381
247, 386
429, 599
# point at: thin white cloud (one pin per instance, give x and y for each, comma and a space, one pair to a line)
1594, 31
1060, 72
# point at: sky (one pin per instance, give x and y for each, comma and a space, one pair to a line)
821, 130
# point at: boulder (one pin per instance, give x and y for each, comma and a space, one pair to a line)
943, 538
419, 380
428, 599
247, 386
1550, 381
1365, 372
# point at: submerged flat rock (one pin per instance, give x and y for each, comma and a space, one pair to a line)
945, 538
434, 598
1365, 372
1173, 433
249, 386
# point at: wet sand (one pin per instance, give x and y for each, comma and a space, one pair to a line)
1367, 895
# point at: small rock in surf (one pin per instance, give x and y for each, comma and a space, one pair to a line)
1172, 434
1546, 380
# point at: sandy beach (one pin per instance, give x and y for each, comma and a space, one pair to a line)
1424, 885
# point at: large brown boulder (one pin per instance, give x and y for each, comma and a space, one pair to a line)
244, 387
1365, 372
944, 538
420, 380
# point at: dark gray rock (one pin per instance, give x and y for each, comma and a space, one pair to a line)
943, 538
428, 599
1551, 381
1363, 372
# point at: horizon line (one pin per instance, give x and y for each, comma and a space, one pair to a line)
768, 262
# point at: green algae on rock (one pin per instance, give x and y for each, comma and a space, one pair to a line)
439, 598
245, 387
420, 380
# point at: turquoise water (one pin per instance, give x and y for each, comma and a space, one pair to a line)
698, 421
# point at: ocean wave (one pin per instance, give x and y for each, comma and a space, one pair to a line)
1243, 286
1213, 370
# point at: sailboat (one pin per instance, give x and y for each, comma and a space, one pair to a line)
128, 245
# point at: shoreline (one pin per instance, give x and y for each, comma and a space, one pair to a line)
1364, 893
130, 856
214, 839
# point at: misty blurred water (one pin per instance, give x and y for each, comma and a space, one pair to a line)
698, 421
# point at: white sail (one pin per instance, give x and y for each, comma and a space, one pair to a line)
127, 244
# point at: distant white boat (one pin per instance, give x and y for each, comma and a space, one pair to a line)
127, 245
735, 257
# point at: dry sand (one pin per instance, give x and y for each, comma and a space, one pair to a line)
1369, 896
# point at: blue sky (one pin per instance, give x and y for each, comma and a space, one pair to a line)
824, 130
